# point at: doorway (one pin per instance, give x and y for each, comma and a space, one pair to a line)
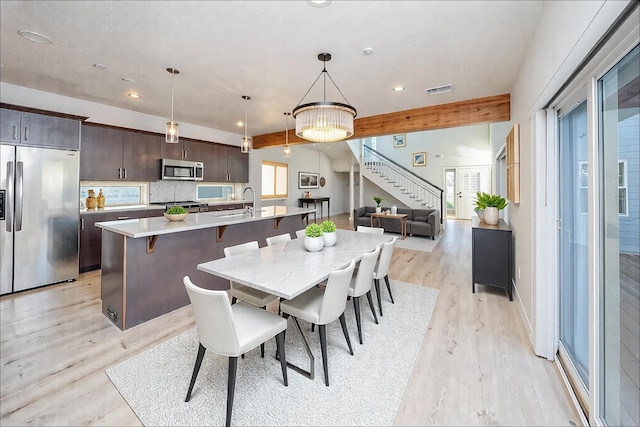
469, 181
450, 192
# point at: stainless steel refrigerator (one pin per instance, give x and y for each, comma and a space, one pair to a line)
39, 199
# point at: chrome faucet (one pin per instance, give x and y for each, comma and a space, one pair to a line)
250, 209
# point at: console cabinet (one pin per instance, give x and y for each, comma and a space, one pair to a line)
492, 255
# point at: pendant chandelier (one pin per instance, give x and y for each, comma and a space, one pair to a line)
287, 148
246, 141
324, 121
171, 134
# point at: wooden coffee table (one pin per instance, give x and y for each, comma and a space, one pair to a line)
401, 217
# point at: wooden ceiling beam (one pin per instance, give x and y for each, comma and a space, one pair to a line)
491, 109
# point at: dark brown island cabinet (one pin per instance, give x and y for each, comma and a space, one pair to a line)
39, 130
492, 255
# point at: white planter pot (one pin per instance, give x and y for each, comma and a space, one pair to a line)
330, 238
378, 209
313, 244
480, 213
394, 209
491, 215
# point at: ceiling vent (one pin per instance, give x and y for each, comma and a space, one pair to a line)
439, 90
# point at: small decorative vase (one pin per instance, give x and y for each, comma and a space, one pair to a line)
378, 209
491, 215
394, 209
101, 199
91, 201
330, 238
480, 213
313, 244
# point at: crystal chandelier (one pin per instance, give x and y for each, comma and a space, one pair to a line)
246, 141
324, 121
171, 134
287, 149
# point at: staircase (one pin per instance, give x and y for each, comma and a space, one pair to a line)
409, 188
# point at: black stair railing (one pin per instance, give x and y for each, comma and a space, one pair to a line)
416, 187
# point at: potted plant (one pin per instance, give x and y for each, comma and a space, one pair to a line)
329, 234
378, 200
176, 213
480, 204
313, 240
495, 203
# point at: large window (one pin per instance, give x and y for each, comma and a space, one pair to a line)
275, 180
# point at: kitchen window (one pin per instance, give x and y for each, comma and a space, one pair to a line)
275, 180
116, 195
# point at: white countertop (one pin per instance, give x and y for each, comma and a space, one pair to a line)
145, 227
143, 207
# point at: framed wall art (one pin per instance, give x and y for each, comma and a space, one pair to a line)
307, 180
420, 158
399, 140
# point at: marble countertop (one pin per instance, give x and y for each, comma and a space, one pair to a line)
143, 207
145, 227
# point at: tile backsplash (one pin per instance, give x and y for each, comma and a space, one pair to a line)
170, 191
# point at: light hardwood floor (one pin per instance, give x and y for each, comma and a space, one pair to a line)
475, 366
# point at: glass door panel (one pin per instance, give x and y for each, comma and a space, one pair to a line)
619, 145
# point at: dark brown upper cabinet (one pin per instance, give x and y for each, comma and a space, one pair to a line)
39, 130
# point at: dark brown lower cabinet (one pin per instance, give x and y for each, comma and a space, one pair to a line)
492, 255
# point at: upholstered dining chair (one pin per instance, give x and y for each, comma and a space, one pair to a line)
382, 270
372, 230
242, 292
361, 284
231, 330
278, 239
321, 306
300, 233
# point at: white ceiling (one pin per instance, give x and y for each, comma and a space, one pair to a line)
267, 50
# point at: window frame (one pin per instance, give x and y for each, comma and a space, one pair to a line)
275, 166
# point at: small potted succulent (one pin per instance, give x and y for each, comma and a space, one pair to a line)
175, 213
480, 204
329, 234
378, 200
313, 240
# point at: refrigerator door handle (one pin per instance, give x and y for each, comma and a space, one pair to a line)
8, 203
19, 181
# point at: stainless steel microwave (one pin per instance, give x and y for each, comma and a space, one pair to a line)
181, 170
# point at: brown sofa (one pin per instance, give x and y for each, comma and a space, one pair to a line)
420, 222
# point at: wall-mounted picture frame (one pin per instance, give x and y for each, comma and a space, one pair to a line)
308, 180
399, 140
420, 158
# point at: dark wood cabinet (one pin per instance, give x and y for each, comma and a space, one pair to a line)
492, 255
39, 130
224, 163
90, 241
185, 149
110, 154
237, 165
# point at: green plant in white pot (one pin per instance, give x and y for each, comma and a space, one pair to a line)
480, 204
378, 200
313, 240
495, 203
329, 233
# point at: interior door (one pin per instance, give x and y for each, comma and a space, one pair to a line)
470, 181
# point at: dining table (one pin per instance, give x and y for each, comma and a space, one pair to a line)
287, 269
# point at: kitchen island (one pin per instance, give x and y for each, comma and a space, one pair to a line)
144, 260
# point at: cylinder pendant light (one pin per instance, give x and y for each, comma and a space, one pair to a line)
324, 121
245, 146
287, 148
172, 134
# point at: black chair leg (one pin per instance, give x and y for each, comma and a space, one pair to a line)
322, 329
283, 358
233, 300
377, 283
356, 308
373, 310
196, 369
345, 331
286, 316
231, 387
262, 350
386, 279
313, 327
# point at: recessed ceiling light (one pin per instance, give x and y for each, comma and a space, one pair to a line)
398, 88
128, 80
319, 3
135, 95
100, 66
239, 123
34, 37
368, 51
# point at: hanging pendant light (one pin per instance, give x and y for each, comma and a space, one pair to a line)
246, 141
171, 134
324, 121
287, 149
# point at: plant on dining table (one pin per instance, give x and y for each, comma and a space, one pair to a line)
313, 230
328, 226
329, 232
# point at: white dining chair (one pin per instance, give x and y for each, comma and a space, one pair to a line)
361, 284
372, 230
382, 270
231, 330
280, 238
300, 233
321, 306
242, 292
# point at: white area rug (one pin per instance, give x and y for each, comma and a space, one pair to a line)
365, 389
416, 243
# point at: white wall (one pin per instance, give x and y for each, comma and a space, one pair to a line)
565, 33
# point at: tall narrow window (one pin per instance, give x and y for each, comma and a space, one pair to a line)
275, 180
